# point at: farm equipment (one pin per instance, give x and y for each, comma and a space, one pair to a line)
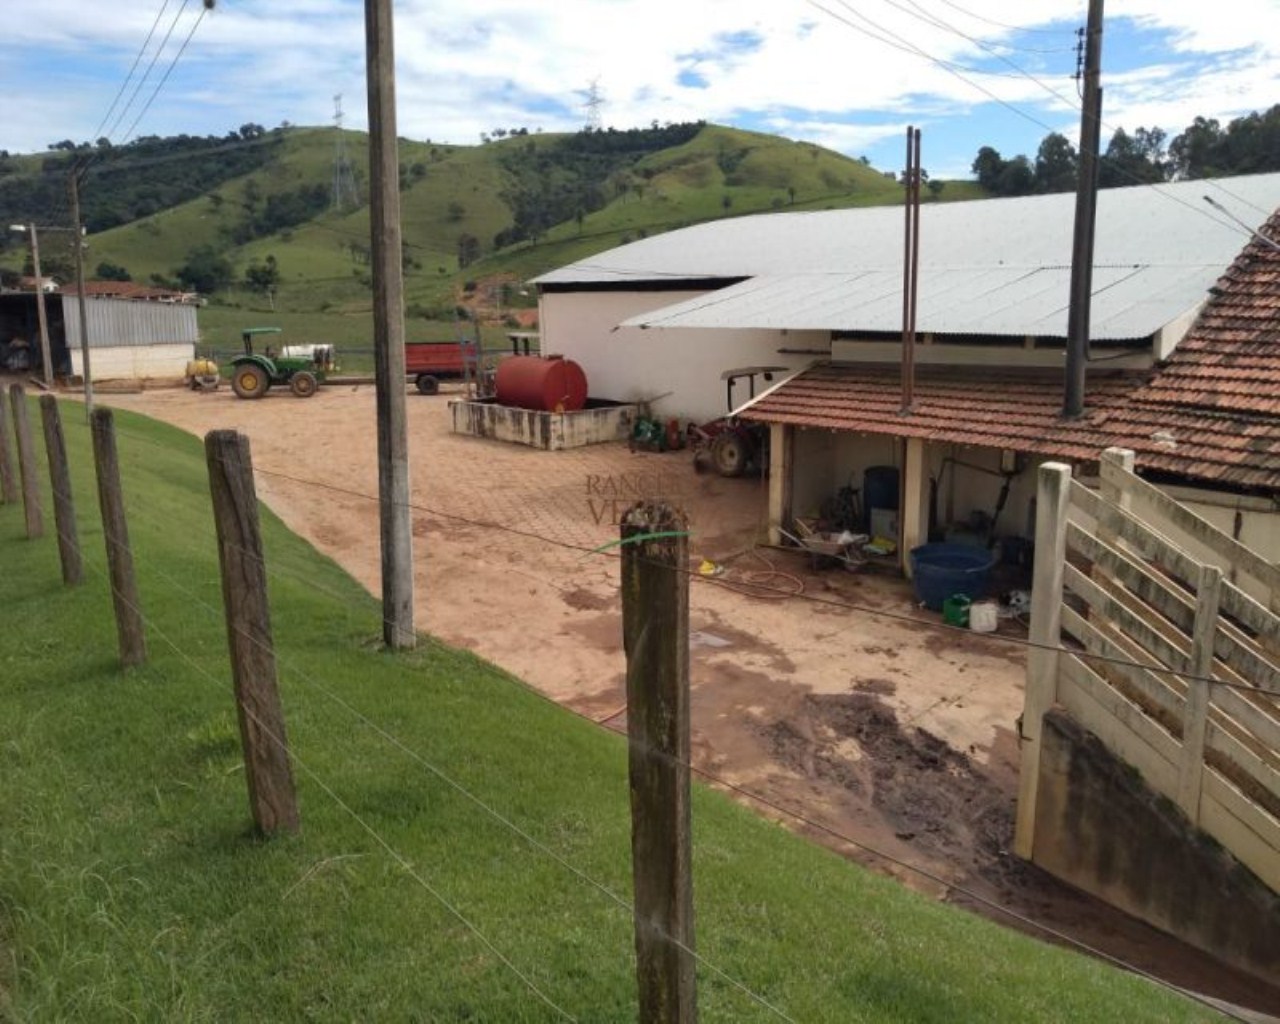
733, 446
430, 362
202, 375
301, 367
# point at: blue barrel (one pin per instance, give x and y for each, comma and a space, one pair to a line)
940, 571
879, 490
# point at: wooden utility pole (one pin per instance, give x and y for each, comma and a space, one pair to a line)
46, 356
77, 244
1086, 215
655, 626
8, 482
272, 797
130, 629
388, 329
64, 509
26, 463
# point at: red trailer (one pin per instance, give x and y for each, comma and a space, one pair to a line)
429, 362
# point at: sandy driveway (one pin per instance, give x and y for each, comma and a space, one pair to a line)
892, 732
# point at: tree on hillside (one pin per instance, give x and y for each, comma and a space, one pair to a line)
1056, 163
468, 249
263, 277
205, 271
1137, 159
1198, 151
111, 272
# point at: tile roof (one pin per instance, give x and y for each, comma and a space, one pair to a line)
1211, 412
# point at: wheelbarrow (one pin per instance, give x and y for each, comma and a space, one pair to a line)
826, 547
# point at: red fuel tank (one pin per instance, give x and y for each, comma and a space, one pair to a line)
551, 384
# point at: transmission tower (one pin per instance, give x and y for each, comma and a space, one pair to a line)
593, 105
344, 179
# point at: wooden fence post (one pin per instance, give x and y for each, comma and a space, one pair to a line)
64, 509
272, 797
655, 624
8, 482
1195, 717
130, 630
26, 463
1053, 495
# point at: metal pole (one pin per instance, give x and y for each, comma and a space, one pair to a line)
78, 243
45, 356
1086, 210
911, 238
388, 319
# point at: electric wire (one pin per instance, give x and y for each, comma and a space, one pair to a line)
1000, 24
129, 77
168, 71
124, 111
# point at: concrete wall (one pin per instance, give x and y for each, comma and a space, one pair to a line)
136, 362
677, 371
550, 431
1099, 828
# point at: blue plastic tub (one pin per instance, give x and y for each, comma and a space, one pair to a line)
940, 571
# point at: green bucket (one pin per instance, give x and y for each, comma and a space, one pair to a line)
955, 610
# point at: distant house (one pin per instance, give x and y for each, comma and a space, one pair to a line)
48, 285
134, 292
821, 293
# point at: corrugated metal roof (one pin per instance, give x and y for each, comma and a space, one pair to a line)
1129, 302
992, 267
1145, 225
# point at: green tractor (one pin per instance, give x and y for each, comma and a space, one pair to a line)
301, 367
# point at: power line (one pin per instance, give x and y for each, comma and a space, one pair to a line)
124, 111
127, 78
1000, 24
172, 64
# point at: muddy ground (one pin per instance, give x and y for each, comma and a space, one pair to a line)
883, 733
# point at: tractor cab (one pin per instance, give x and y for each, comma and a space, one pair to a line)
264, 363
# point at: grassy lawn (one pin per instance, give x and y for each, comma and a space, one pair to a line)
132, 889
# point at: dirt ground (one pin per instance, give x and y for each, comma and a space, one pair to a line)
891, 732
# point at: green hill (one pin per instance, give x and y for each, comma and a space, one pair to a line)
512, 207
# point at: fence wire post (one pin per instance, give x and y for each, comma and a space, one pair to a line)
130, 630
26, 463
64, 509
272, 797
8, 482
655, 618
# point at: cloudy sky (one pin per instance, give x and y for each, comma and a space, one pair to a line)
848, 74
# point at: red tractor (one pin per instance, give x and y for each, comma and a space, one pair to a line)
733, 446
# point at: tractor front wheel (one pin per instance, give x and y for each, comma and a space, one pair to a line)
303, 384
730, 453
249, 381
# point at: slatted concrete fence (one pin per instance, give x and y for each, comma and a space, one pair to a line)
1138, 585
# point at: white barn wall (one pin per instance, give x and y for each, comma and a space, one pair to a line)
682, 366
135, 361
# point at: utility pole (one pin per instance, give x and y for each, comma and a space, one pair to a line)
910, 268
388, 329
1086, 210
77, 243
46, 357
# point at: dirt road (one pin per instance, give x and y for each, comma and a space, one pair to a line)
888, 731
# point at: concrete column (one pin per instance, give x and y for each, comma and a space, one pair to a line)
782, 450
915, 513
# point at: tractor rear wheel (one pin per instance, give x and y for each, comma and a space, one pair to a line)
249, 381
303, 384
427, 384
730, 453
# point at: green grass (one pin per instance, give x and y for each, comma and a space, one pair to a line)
131, 887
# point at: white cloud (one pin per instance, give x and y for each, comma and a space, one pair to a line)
848, 76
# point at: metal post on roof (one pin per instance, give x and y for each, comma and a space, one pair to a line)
910, 267
1086, 210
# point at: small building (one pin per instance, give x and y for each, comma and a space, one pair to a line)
130, 340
